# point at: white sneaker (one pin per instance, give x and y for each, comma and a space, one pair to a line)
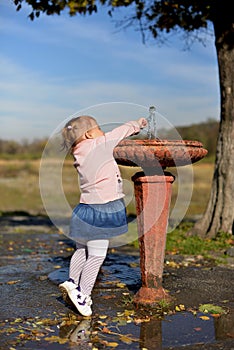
81, 301
65, 288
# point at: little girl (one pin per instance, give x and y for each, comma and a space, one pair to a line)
101, 213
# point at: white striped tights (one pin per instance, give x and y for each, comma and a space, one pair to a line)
86, 263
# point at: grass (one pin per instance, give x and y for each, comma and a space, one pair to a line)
19, 186
212, 309
195, 180
178, 242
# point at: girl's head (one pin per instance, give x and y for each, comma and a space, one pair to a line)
78, 129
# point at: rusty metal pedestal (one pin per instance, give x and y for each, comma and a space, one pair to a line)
153, 197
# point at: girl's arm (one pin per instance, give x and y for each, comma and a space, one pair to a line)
125, 130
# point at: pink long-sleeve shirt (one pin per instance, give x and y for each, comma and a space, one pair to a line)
99, 175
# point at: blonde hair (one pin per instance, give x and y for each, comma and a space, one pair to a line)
75, 129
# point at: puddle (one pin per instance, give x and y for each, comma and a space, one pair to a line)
186, 329
116, 267
177, 330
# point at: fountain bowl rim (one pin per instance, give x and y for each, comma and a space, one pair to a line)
159, 142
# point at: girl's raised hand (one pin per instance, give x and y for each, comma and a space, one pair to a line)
142, 122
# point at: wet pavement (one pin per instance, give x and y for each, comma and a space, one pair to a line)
34, 260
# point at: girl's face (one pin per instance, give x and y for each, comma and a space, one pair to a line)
96, 132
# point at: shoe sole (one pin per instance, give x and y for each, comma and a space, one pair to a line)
65, 295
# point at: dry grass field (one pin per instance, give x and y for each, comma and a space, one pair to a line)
19, 186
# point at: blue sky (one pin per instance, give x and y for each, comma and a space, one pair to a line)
55, 67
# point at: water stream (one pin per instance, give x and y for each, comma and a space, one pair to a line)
152, 125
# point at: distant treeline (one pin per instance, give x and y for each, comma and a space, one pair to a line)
205, 132
25, 149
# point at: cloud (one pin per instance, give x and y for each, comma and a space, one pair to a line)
34, 114
78, 62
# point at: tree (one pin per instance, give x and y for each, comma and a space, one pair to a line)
190, 17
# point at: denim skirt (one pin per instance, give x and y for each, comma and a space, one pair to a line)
98, 221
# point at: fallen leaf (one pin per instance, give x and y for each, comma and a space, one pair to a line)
182, 307
204, 318
105, 330
129, 312
43, 277
111, 344
13, 282
119, 314
140, 320
109, 296
24, 336
103, 317
172, 264
69, 249
56, 339
133, 264
125, 339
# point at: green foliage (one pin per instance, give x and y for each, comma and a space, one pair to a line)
164, 305
10, 149
56, 7
206, 132
179, 243
211, 309
127, 299
153, 17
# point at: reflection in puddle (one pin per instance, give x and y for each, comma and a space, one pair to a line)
77, 334
184, 329
176, 330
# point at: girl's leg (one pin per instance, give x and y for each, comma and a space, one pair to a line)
97, 250
77, 263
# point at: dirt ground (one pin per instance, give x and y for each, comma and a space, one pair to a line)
34, 259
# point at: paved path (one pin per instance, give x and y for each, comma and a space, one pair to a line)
34, 259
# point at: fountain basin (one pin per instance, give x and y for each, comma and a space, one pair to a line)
158, 153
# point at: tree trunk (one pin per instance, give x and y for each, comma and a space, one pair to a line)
219, 213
